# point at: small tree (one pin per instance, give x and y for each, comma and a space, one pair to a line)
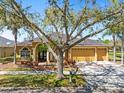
13, 23
121, 37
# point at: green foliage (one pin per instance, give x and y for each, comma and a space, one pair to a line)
115, 3
6, 60
2, 17
106, 41
118, 56
42, 47
34, 81
18, 69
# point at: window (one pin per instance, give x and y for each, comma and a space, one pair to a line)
25, 53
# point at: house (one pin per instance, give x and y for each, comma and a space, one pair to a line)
88, 50
6, 47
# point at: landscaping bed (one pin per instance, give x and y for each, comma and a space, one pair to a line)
34, 81
6, 60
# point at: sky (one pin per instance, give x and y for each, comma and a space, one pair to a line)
39, 6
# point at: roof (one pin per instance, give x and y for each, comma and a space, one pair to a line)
87, 42
4, 42
91, 42
27, 42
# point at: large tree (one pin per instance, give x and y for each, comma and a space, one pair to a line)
64, 19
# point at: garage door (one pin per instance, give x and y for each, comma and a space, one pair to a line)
101, 54
83, 54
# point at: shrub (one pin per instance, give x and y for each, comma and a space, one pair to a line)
6, 60
1, 60
36, 81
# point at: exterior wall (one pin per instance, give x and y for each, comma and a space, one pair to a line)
77, 53
19, 48
34, 51
6, 52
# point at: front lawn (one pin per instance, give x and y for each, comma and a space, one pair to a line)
35, 81
118, 56
17, 69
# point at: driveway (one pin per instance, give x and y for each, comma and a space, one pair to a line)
103, 77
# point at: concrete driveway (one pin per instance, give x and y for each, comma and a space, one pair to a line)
102, 77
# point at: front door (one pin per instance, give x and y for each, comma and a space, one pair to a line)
42, 56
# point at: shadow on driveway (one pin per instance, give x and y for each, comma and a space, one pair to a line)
102, 78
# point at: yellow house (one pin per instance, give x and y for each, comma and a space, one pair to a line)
6, 47
88, 50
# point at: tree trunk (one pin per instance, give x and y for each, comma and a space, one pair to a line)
67, 55
15, 45
122, 49
60, 59
122, 56
114, 48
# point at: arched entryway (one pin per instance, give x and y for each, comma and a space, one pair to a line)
41, 53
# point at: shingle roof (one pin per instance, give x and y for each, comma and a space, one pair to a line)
91, 42
87, 42
29, 43
4, 42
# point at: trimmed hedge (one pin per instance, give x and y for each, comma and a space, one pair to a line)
6, 59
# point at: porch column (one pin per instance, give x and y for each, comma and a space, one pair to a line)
95, 53
34, 56
48, 57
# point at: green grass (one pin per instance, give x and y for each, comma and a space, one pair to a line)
18, 69
36, 81
118, 56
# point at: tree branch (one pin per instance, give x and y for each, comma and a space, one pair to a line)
77, 23
90, 35
115, 13
56, 28
65, 19
32, 25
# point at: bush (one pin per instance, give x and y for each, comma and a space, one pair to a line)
6, 59
1, 60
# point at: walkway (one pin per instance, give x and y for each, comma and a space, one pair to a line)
30, 72
103, 77
25, 72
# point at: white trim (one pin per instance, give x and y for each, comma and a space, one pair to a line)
107, 55
24, 47
35, 48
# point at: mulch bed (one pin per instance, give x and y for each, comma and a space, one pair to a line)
35, 66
